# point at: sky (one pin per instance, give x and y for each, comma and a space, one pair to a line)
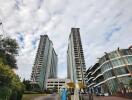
104, 26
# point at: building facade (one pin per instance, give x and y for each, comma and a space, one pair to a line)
56, 83
112, 73
45, 64
75, 57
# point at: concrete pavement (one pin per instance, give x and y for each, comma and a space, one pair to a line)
85, 97
109, 98
48, 97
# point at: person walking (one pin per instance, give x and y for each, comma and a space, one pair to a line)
64, 94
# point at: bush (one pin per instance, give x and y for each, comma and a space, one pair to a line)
16, 95
11, 87
5, 93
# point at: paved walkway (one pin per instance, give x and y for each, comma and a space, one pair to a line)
109, 98
48, 97
85, 97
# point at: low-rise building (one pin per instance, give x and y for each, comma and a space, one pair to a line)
112, 72
56, 83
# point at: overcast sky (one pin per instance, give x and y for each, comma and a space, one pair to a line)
104, 25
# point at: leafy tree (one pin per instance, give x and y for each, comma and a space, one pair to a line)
5, 80
17, 88
11, 87
27, 85
36, 87
31, 86
10, 84
10, 45
8, 50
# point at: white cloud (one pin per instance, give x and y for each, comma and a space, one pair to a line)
104, 25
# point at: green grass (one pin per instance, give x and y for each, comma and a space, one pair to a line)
31, 96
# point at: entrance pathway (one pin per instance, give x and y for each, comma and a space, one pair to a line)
109, 98
48, 97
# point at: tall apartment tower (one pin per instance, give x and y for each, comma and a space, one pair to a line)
45, 64
75, 58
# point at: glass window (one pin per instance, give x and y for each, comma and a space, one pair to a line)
109, 65
112, 72
105, 76
102, 68
129, 59
123, 52
129, 52
113, 54
130, 68
117, 62
108, 74
113, 85
120, 62
126, 52
125, 79
106, 66
121, 70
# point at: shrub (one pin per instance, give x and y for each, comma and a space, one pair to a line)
11, 87
5, 93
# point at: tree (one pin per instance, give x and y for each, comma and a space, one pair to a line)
8, 51
27, 85
10, 45
31, 86
11, 87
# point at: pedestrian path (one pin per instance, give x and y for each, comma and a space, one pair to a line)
48, 97
109, 98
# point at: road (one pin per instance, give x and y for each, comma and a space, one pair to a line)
48, 97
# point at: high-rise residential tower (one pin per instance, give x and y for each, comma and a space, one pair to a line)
45, 64
75, 58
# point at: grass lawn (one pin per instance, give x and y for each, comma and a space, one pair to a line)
31, 96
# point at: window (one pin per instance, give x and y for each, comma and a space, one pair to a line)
108, 74
117, 62
113, 84
130, 68
125, 79
120, 62
129, 52
121, 70
113, 54
126, 52
102, 60
114, 62
129, 59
